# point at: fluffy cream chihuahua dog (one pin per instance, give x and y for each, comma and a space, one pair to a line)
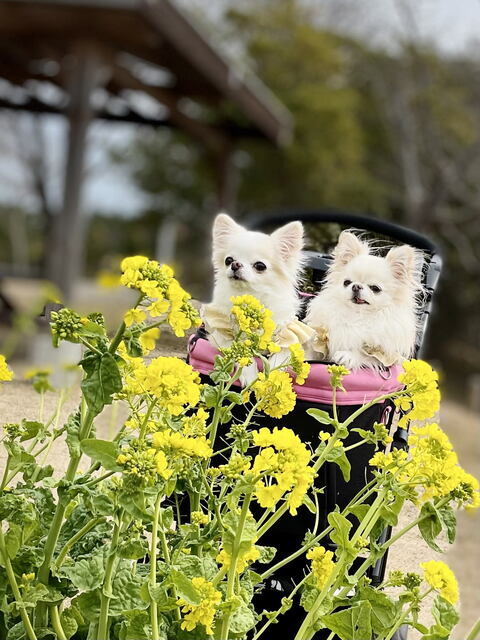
367, 307
262, 265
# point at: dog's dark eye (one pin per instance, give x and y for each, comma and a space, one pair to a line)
259, 266
346, 283
228, 261
374, 288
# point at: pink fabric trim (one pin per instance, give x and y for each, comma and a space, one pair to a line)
360, 386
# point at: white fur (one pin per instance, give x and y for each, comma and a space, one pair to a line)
387, 321
275, 287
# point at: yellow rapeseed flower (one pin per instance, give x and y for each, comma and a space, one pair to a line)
284, 459
148, 339
134, 316
275, 393
322, 564
422, 396
173, 443
6, 373
297, 362
245, 558
171, 381
255, 323
439, 576
204, 611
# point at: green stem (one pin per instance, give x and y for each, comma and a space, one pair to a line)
103, 621
279, 611
42, 406
166, 557
90, 346
305, 632
372, 403
153, 569
386, 545
54, 532
97, 479
74, 539
273, 518
360, 497
143, 428
232, 570
14, 586
5, 473
474, 632
405, 615
56, 622
213, 500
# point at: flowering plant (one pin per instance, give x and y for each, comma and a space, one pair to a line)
161, 537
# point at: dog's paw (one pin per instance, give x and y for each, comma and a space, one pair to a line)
349, 359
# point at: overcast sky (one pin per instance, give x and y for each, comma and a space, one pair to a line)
453, 25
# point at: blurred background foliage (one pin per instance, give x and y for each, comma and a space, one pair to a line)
394, 132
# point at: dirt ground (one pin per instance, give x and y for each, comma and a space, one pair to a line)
18, 400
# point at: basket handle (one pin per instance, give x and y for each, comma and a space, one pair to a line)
325, 216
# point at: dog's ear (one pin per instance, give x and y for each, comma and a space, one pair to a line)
223, 227
349, 246
402, 261
289, 240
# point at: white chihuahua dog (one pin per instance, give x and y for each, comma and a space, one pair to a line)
264, 266
368, 305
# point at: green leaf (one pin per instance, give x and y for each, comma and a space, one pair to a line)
321, 416
242, 620
102, 504
69, 623
341, 529
34, 594
30, 429
309, 503
431, 526
445, 613
266, 554
384, 609
233, 396
359, 511
353, 623
248, 536
184, 587
449, 521
309, 595
135, 506
132, 344
192, 566
337, 455
86, 574
126, 592
88, 604
102, 451
40, 473
13, 540
210, 396
101, 381
73, 426
133, 549
389, 512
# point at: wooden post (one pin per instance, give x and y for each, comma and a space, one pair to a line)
66, 243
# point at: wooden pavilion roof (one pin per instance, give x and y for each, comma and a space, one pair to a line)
148, 47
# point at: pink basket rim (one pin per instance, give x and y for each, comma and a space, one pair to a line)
361, 386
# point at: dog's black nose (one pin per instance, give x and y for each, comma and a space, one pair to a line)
235, 266
356, 288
